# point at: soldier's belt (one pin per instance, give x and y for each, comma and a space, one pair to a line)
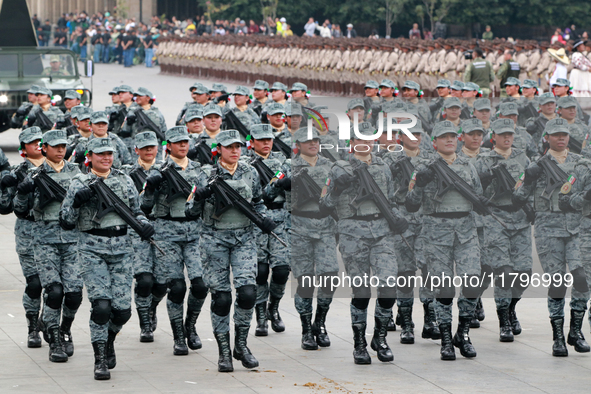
109, 232
367, 218
450, 215
309, 214
168, 217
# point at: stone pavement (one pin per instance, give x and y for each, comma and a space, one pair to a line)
524, 366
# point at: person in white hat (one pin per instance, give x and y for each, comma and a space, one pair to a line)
351, 33
560, 71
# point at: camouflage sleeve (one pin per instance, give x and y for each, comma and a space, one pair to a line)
179, 118
271, 191
328, 199
475, 179
123, 152
531, 151
147, 198
391, 191
255, 118
134, 200
414, 197
502, 70
581, 185
524, 192
257, 193
6, 197
162, 123
69, 214
4, 164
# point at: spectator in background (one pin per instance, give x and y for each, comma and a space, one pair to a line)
336, 31
287, 32
374, 35
128, 43
253, 28
44, 34
281, 25
106, 55
414, 32
428, 35
149, 46
557, 37
324, 30
36, 23
62, 22
310, 27
97, 41
272, 25
351, 33
488, 34
60, 37
567, 34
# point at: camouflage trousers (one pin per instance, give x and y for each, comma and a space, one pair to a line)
23, 231
585, 242
224, 252
106, 265
143, 262
271, 252
58, 263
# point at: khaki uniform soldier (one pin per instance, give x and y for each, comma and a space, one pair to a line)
447, 67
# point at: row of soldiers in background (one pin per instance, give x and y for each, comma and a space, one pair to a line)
342, 66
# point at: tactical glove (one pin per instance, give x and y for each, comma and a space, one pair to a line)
153, 181
424, 177
82, 196
9, 180
25, 187
268, 225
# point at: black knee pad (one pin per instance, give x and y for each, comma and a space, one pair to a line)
178, 289
198, 288
386, 303
101, 311
221, 302
280, 274
485, 270
446, 301
522, 282
580, 280
55, 295
407, 284
447, 292
246, 296
471, 288
120, 317
305, 286
360, 303
387, 292
504, 277
143, 284
262, 273
361, 292
159, 290
557, 290
327, 283
73, 300
34, 287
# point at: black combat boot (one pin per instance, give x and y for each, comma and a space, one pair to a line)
146, 333
178, 332
241, 351
506, 333
66, 334
101, 372
319, 327
515, 325
407, 336
462, 339
273, 315
111, 356
56, 348
225, 360
308, 342
479, 311
360, 354
33, 339
153, 317
430, 327
262, 329
575, 335
193, 339
378, 342
559, 347
447, 349
391, 324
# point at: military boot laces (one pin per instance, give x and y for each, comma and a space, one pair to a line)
308, 342
515, 325
407, 336
273, 315
178, 332
506, 333
225, 358
66, 334
360, 354
193, 340
430, 327
41, 327
462, 339
262, 329
146, 333
56, 348
447, 350
391, 324
378, 341
559, 346
575, 335
111, 356
101, 371
319, 327
241, 351
33, 338
479, 311
153, 317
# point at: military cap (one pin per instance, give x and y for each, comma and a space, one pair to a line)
100, 145
75, 110
371, 84
33, 89
501, 126
471, 86
193, 112
279, 86
561, 82
482, 104
125, 88
84, 113
228, 137
546, 98
529, 83
143, 92
211, 108
411, 85
98, 117
457, 85
241, 91
567, 102
54, 58
556, 125
293, 109
388, 83
261, 85
513, 81
218, 87
177, 133
364, 128
72, 94
470, 125
298, 86
509, 108
355, 103
416, 129
146, 138
196, 85
275, 108
301, 135
55, 137
42, 90
442, 128
260, 131
29, 135
200, 90
395, 106
114, 91
443, 83
452, 102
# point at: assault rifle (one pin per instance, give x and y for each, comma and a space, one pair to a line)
265, 173
21, 171
119, 114
138, 176
555, 177
405, 168
144, 122
233, 123
226, 197
49, 189
203, 153
280, 146
110, 202
177, 185
308, 190
506, 186
44, 123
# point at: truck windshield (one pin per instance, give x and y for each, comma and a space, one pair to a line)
56, 65
8, 65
